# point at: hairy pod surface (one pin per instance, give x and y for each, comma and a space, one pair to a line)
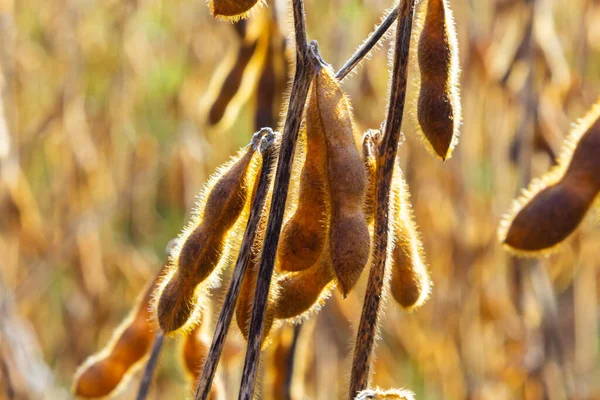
231, 10
232, 82
236, 77
552, 207
380, 394
304, 234
202, 245
438, 107
101, 373
371, 140
410, 283
329, 111
300, 293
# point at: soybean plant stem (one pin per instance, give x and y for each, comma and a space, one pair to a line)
302, 79
258, 203
386, 157
368, 44
150, 366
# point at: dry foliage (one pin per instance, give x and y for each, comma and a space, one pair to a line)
114, 115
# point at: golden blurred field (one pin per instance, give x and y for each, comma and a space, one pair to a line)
105, 142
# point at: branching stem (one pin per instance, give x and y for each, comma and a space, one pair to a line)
226, 315
368, 44
302, 79
386, 157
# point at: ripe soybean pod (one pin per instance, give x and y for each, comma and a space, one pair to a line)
304, 234
102, 373
203, 243
390, 394
232, 10
301, 293
410, 283
371, 140
438, 107
329, 111
552, 207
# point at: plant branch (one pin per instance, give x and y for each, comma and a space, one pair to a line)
368, 44
150, 366
386, 157
302, 79
226, 315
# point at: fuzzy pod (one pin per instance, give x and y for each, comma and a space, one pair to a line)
102, 373
552, 207
304, 234
410, 283
236, 77
232, 10
204, 242
301, 293
231, 84
390, 394
329, 112
438, 106
371, 140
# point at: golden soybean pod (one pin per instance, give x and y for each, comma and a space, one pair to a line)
329, 111
369, 148
304, 234
552, 207
202, 244
410, 283
231, 10
300, 293
101, 373
438, 107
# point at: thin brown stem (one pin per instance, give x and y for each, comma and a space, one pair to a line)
302, 79
368, 44
226, 315
365, 338
150, 366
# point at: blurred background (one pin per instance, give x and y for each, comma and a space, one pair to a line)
114, 113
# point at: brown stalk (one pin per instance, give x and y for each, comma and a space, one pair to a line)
302, 79
150, 366
214, 354
367, 45
365, 338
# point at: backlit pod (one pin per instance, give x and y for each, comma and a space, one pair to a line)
329, 111
232, 10
552, 207
304, 234
410, 283
101, 373
203, 243
301, 293
438, 107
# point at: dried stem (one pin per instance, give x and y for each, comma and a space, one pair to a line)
214, 354
302, 79
150, 366
367, 45
386, 157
